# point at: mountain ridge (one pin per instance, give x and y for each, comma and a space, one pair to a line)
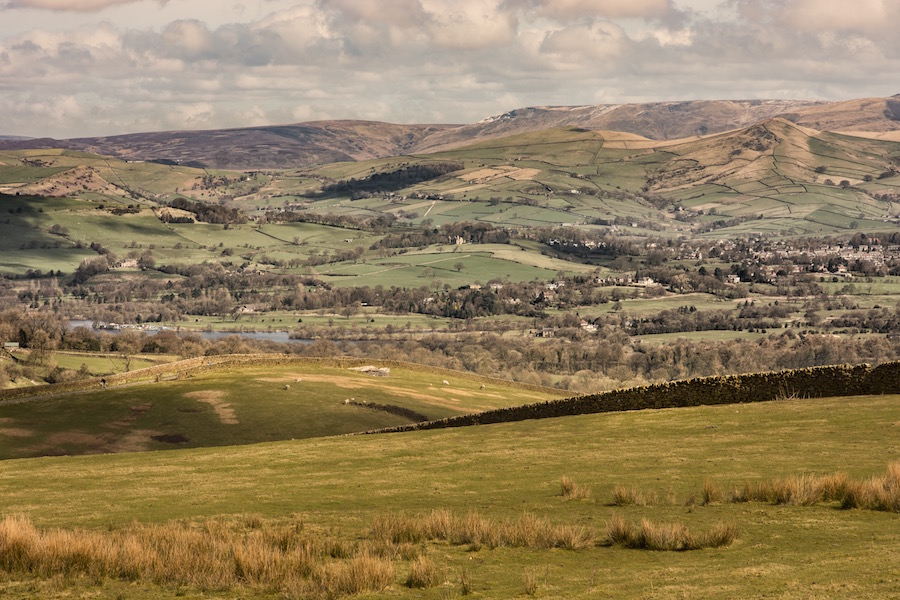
317, 142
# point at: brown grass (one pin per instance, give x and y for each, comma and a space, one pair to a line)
423, 574
528, 531
572, 491
530, 581
281, 557
666, 536
214, 398
625, 496
881, 493
213, 555
712, 493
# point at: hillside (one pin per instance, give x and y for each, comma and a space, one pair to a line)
305, 144
351, 495
240, 400
786, 178
273, 147
658, 121
866, 114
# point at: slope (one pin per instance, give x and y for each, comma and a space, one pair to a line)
790, 179
339, 488
260, 400
305, 144
658, 121
272, 147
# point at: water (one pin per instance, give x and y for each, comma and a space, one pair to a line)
266, 336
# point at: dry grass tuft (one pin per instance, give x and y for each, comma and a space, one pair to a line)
362, 573
572, 491
530, 580
666, 536
624, 496
876, 493
213, 555
465, 583
619, 531
423, 574
475, 531
282, 558
880, 493
712, 494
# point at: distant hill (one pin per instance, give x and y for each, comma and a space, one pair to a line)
322, 142
657, 121
864, 115
274, 147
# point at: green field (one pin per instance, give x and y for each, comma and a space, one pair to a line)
242, 405
340, 486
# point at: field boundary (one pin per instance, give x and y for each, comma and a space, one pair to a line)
813, 382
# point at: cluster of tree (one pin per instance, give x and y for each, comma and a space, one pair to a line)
391, 181
876, 320
470, 233
678, 321
209, 213
377, 224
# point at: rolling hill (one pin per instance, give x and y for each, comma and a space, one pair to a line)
241, 401
305, 144
274, 147
784, 177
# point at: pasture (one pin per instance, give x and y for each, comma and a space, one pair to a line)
242, 405
347, 489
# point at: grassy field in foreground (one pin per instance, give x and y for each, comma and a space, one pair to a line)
242, 406
340, 488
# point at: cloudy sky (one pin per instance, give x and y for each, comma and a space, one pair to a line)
99, 67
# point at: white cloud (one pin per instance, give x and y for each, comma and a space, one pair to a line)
190, 38
148, 66
840, 15
585, 44
468, 24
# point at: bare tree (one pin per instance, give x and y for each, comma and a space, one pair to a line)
127, 344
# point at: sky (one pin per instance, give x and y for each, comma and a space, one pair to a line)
71, 68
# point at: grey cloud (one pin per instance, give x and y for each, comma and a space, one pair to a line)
26, 47
70, 5
569, 10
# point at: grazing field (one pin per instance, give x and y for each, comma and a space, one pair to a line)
243, 405
538, 507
